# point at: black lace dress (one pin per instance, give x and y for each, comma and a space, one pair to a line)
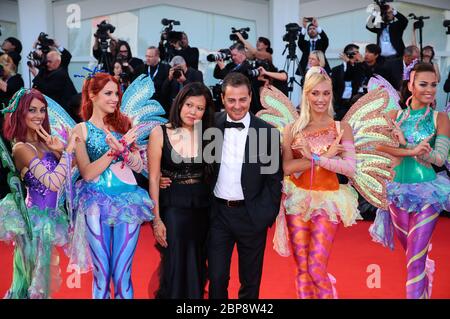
184, 209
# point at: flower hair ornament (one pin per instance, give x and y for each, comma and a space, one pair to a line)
14, 102
316, 70
408, 70
90, 74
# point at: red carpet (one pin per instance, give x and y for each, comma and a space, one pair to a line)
352, 253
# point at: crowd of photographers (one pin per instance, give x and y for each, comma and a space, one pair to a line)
173, 63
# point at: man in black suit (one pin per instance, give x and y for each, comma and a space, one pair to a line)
394, 68
347, 79
390, 32
179, 75
318, 40
247, 191
54, 81
157, 70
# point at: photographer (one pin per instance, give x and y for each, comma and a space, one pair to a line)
125, 57
123, 74
13, 47
170, 45
191, 55
43, 45
239, 62
263, 51
105, 46
318, 40
157, 70
54, 80
267, 74
347, 79
179, 75
390, 32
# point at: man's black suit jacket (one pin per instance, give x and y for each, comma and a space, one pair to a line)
262, 192
158, 79
56, 85
305, 47
396, 30
394, 72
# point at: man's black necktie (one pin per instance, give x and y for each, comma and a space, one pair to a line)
238, 125
313, 45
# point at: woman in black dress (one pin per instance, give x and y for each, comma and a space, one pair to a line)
182, 209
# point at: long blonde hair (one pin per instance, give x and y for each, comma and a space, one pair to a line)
314, 76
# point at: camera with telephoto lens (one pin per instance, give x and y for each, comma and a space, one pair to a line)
223, 54
35, 60
242, 31
254, 73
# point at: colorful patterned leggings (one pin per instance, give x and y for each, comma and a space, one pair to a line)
112, 249
414, 231
311, 243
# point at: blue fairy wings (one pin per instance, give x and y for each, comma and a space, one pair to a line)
144, 112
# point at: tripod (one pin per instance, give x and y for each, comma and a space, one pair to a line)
291, 62
103, 63
419, 25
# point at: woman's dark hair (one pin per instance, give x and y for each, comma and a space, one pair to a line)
192, 89
429, 47
125, 43
266, 42
404, 91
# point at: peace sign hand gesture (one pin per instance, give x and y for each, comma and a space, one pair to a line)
336, 147
52, 142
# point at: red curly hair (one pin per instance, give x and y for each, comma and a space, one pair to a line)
118, 121
14, 127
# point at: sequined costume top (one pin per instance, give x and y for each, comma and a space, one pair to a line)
38, 194
108, 195
317, 191
410, 170
319, 142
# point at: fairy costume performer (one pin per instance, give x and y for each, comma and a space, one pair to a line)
417, 195
37, 225
110, 205
315, 148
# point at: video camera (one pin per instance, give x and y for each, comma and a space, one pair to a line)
242, 31
383, 8
291, 36
169, 24
223, 54
102, 30
446, 24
